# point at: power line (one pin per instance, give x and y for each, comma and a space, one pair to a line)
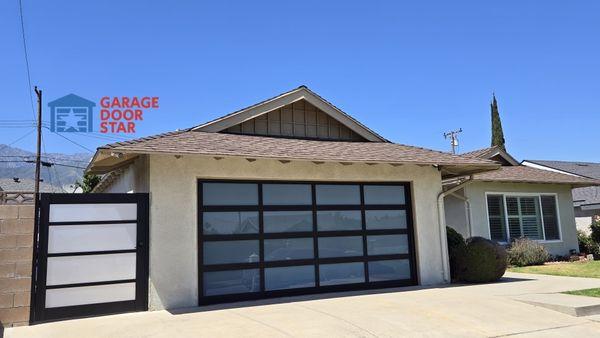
75, 143
17, 140
26, 57
44, 163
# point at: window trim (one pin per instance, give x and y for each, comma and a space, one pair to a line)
504, 194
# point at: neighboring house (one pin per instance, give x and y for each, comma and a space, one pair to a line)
288, 196
20, 190
516, 201
586, 201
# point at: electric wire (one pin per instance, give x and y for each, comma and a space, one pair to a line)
30, 88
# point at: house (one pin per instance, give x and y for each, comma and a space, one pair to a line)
20, 190
515, 201
586, 201
288, 196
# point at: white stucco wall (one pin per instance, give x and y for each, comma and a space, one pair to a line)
456, 213
479, 222
173, 213
133, 179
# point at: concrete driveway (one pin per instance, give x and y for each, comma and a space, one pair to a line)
466, 311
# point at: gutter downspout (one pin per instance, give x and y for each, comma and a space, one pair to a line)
467, 211
442, 223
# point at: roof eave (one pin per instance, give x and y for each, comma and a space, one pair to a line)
126, 155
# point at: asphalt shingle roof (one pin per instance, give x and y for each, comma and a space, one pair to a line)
220, 144
587, 169
524, 174
25, 185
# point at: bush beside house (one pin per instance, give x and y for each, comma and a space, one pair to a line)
525, 252
476, 260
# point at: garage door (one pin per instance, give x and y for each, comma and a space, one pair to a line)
268, 239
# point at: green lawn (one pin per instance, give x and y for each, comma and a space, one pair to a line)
575, 269
586, 292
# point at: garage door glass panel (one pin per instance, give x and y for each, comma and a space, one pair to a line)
340, 246
228, 252
231, 282
291, 277
389, 270
337, 194
90, 268
384, 194
387, 244
343, 273
91, 237
287, 194
385, 219
287, 221
230, 194
227, 223
339, 220
90, 295
288, 248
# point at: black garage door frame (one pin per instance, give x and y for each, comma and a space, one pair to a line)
316, 261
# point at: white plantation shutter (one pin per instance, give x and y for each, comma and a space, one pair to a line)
550, 218
496, 217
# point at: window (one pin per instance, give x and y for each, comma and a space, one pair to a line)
528, 215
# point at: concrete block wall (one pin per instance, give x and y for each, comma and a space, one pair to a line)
16, 249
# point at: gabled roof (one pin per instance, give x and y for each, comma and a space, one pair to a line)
490, 153
256, 147
585, 169
524, 174
72, 100
300, 93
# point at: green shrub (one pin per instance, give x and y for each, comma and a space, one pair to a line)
595, 229
587, 245
456, 250
525, 252
483, 261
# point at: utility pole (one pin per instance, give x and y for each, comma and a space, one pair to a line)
453, 135
38, 92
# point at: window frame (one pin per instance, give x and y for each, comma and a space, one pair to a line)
314, 234
506, 194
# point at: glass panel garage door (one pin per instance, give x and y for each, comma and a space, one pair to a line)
259, 239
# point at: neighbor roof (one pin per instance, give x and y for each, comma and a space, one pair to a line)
587, 169
524, 174
588, 196
25, 185
218, 144
281, 100
490, 152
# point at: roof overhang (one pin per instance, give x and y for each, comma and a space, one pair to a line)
107, 160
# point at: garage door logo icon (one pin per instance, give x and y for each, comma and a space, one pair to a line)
71, 113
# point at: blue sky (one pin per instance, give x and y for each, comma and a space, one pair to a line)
410, 71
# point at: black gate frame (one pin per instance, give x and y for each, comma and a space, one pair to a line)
38, 312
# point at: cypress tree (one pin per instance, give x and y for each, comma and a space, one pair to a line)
497, 133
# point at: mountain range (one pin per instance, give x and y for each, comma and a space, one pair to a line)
58, 170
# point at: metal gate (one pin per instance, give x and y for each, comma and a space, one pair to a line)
90, 255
